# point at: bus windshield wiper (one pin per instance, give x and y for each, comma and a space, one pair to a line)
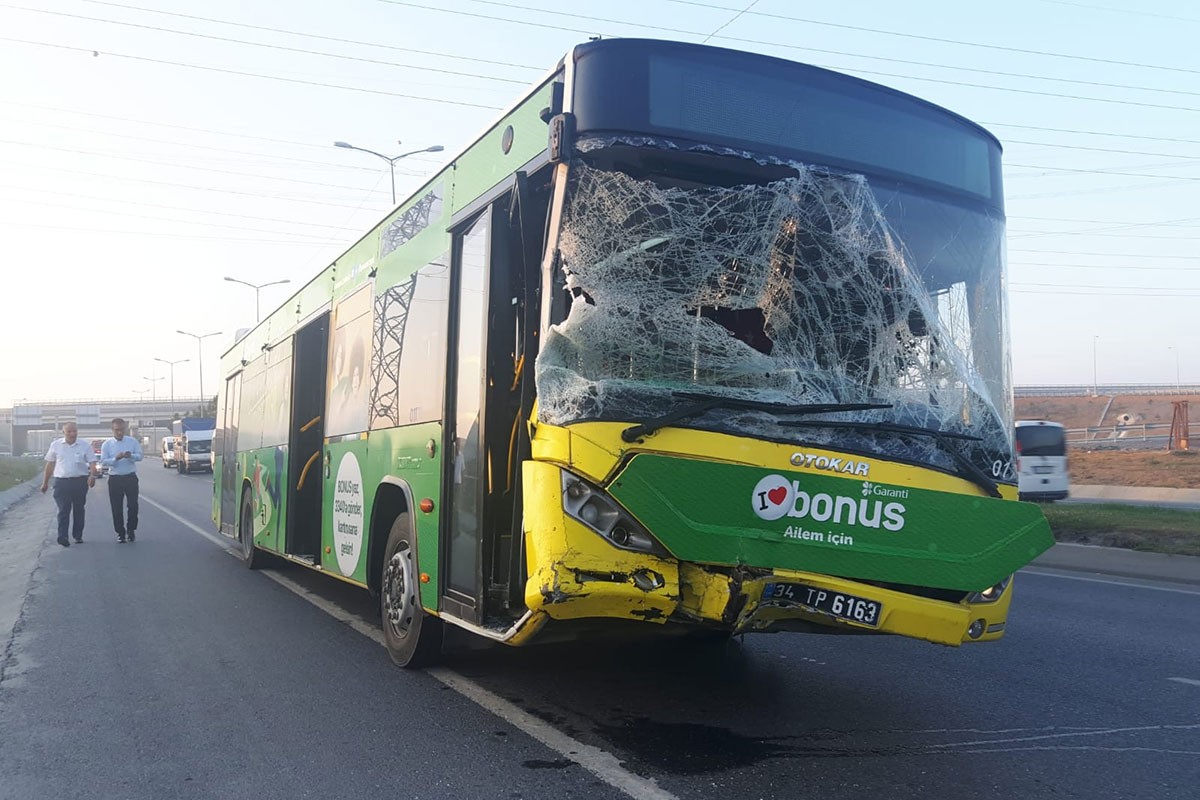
967, 468
705, 402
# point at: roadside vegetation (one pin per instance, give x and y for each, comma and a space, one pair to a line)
1178, 469
18, 470
1157, 530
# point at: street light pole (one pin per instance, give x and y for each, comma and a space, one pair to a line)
141, 393
200, 356
172, 364
256, 287
1095, 384
437, 148
153, 388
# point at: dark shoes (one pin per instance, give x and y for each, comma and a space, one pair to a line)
120, 538
132, 536
78, 540
65, 542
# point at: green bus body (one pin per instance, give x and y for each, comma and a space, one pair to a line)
495, 409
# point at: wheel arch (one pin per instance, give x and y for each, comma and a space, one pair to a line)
393, 497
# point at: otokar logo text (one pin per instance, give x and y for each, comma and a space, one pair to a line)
776, 497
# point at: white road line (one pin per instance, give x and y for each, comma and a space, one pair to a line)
1111, 583
212, 537
603, 765
1188, 681
1104, 732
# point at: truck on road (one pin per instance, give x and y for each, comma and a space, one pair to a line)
193, 443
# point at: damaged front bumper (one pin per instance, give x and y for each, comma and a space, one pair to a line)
577, 575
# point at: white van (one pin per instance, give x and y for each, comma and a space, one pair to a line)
168, 451
1041, 450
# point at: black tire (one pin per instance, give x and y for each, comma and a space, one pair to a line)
412, 637
252, 557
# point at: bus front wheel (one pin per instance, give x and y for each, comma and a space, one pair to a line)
412, 637
252, 557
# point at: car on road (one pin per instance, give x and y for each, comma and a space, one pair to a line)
100, 469
1041, 449
168, 451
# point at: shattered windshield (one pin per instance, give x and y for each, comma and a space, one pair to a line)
812, 288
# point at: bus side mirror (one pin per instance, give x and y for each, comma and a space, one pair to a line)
561, 137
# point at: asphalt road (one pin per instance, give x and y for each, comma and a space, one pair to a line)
166, 669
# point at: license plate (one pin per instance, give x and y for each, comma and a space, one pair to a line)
835, 604
1043, 470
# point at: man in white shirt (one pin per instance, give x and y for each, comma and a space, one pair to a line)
121, 454
70, 461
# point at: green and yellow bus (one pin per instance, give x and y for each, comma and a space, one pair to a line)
689, 338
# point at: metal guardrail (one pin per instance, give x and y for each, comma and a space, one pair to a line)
1104, 389
1117, 436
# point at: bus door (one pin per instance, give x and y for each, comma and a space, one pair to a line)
306, 434
493, 319
230, 466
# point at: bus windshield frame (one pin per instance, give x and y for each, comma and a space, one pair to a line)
796, 112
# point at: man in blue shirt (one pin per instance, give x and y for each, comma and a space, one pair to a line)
120, 454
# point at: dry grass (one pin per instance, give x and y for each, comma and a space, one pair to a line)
1175, 470
18, 470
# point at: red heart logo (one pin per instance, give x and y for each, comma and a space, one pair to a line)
778, 495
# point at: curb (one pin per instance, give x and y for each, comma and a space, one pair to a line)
1146, 494
10, 497
1121, 562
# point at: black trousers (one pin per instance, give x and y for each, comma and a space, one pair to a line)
122, 491
70, 494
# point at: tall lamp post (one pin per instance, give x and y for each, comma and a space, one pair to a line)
200, 356
257, 286
141, 393
437, 148
153, 395
172, 364
1095, 383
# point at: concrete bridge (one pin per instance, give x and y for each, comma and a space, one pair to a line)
34, 423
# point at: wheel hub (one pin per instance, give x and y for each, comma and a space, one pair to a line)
397, 593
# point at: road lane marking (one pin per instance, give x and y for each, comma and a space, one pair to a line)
219, 541
1103, 732
1188, 681
1111, 583
600, 763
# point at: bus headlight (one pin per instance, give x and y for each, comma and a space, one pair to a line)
990, 594
596, 510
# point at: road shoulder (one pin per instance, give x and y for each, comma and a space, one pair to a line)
1121, 562
24, 533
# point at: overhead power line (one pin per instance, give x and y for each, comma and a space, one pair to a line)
191, 209
249, 43
244, 74
1128, 268
319, 37
1109, 255
315, 238
957, 68
917, 36
490, 17
1090, 133
178, 165
148, 182
169, 234
261, 157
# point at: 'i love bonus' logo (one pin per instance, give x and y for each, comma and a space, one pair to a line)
772, 497
775, 497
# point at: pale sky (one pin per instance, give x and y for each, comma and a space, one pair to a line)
141, 163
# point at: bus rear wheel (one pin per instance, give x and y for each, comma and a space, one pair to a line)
252, 557
412, 637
